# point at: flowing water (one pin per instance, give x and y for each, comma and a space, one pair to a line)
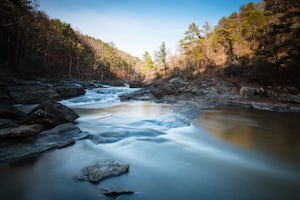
225, 153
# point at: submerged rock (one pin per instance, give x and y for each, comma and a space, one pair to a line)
103, 170
116, 193
50, 114
115, 136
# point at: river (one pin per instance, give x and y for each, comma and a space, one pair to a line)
224, 153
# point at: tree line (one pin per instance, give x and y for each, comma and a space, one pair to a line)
34, 46
258, 43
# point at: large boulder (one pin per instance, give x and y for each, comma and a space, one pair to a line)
162, 90
31, 94
103, 170
68, 90
50, 114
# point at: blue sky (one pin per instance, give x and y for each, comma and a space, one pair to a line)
136, 26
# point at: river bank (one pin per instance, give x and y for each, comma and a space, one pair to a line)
173, 149
16, 125
213, 92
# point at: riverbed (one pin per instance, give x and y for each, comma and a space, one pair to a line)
222, 153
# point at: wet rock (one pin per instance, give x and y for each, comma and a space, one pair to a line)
58, 137
68, 90
103, 170
50, 114
22, 131
139, 95
31, 94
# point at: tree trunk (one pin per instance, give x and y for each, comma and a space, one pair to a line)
70, 68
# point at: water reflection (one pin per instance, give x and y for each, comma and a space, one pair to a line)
276, 133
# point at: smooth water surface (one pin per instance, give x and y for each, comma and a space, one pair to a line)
226, 153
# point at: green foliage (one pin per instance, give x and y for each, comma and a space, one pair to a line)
161, 58
252, 20
148, 66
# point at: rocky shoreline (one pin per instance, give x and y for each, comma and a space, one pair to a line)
210, 92
51, 124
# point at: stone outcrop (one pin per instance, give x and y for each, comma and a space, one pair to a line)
58, 137
50, 114
22, 131
139, 95
31, 94
68, 90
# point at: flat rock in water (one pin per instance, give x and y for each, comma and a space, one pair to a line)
103, 170
22, 131
58, 137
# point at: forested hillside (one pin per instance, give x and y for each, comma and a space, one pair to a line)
34, 46
259, 44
